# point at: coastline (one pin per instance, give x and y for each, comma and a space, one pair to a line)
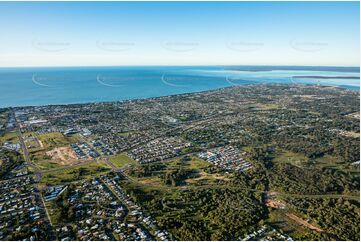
177, 95
72, 85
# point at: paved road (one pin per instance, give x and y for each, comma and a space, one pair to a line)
37, 171
117, 170
114, 168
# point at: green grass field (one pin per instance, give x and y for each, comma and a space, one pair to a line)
56, 139
122, 160
82, 172
194, 163
10, 136
47, 164
292, 158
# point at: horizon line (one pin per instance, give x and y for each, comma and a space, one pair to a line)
160, 65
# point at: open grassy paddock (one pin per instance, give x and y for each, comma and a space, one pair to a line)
81, 172
122, 160
57, 139
292, 158
9, 137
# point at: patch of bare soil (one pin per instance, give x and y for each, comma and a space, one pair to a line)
40, 143
273, 202
65, 155
303, 222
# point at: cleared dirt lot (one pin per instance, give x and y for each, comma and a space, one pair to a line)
65, 155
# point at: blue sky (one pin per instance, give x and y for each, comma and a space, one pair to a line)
179, 33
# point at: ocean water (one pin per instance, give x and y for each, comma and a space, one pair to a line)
67, 85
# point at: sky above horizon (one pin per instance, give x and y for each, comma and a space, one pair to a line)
179, 33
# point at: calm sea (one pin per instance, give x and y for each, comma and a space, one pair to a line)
65, 85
